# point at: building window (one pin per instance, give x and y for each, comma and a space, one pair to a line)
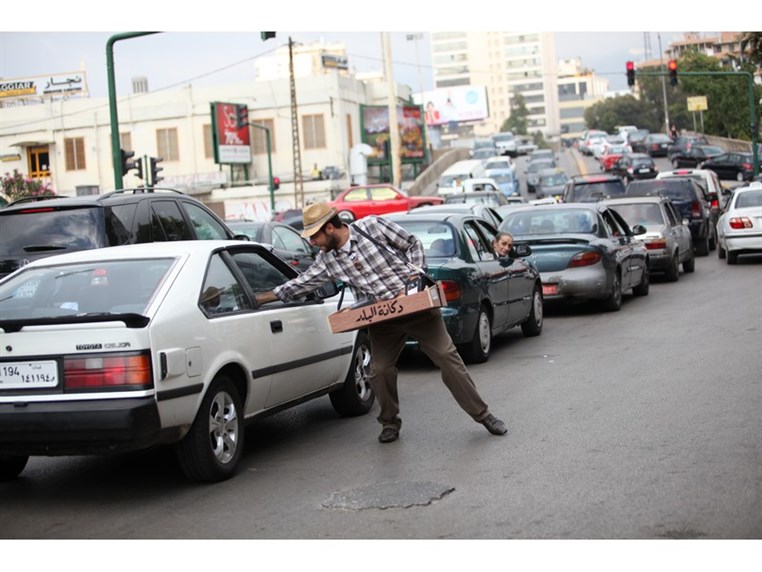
313, 127
259, 137
166, 144
39, 161
74, 150
125, 141
208, 150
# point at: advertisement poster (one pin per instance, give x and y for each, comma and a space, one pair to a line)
231, 143
454, 104
375, 132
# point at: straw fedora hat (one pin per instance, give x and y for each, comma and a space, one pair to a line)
315, 216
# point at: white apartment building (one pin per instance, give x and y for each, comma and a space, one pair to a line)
67, 141
506, 63
578, 89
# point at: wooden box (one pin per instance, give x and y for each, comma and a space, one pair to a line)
355, 318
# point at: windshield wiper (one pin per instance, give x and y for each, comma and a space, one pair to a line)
42, 248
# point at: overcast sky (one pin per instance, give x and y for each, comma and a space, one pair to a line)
225, 52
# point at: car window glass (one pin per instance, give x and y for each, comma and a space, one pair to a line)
611, 224
221, 293
672, 217
62, 230
260, 274
383, 194
289, 239
749, 199
118, 221
168, 222
205, 225
482, 249
356, 195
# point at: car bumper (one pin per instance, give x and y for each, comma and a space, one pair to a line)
750, 243
578, 283
78, 427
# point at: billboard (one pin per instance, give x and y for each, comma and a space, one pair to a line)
375, 132
454, 104
74, 83
231, 143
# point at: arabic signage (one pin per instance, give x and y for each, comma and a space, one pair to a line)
49, 85
454, 104
375, 132
231, 143
697, 103
338, 62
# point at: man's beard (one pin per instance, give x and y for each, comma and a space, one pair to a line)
332, 243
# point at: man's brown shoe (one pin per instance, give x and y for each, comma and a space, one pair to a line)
389, 434
494, 425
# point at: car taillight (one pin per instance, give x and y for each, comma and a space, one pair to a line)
746, 166
108, 371
656, 244
452, 290
695, 209
715, 204
584, 259
740, 222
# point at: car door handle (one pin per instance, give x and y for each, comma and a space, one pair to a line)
276, 326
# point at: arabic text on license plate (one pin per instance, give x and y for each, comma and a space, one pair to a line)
549, 289
28, 375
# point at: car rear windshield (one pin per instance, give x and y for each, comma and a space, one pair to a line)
97, 287
556, 221
649, 215
749, 199
438, 238
591, 191
678, 190
35, 230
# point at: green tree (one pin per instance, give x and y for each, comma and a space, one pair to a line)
517, 122
753, 41
622, 110
16, 186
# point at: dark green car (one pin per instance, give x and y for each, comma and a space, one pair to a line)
486, 295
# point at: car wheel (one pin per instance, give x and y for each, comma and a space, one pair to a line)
673, 272
347, 216
213, 446
11, 466
477, 350
702, 246
690, 264
532, 326
614, 302
732, 257
356, 396
645, 283
739, 176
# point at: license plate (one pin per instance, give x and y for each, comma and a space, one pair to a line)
549, 289
644, 170
28, 375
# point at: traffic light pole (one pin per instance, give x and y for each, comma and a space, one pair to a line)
752, 114
116, 153
269, 165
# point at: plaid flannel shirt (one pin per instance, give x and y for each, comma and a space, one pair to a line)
370, 271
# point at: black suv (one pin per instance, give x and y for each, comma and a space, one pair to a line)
693, 202
33, 229
592, 188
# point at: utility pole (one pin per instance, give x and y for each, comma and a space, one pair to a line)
394, 131
663, 86
296, 150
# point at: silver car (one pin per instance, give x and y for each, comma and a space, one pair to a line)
667, 238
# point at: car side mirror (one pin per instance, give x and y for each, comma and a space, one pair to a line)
520, 250
327, 290
638, 229
241, 237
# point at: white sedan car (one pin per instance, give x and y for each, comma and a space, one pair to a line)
739, 228
124, 348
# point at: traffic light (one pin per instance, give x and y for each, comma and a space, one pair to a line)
155, 178
672, 72
267, 35
276, 183
630, 74
127, 165
241, 116
139, 168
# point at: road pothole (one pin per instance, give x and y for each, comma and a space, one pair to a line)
389, 495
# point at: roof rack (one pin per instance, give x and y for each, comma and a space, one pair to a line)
140, 190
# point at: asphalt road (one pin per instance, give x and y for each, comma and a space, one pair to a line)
639, 424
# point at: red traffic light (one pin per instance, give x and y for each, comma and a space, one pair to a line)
630, 74
672, 65
276, 183
630, 66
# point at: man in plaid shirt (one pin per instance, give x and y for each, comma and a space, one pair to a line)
373, 271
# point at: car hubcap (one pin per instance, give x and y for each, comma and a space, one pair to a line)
484, 332
223, 427
362, 372
537, 308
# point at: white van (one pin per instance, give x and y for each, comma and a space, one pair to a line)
452, 179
